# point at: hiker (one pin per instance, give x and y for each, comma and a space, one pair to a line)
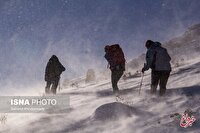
52, 74
158, 59
116, 62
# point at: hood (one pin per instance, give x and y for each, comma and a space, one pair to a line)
157, 44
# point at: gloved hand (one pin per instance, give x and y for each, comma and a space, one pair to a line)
108, 66
143, 69
46, 77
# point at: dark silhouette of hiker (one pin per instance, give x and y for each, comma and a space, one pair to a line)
116, 61
158, 59
52, 74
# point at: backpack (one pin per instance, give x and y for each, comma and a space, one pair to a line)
161, 59
117, 54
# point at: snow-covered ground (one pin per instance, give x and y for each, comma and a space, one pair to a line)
94, 108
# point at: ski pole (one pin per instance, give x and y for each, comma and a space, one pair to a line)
59, 88
141, 83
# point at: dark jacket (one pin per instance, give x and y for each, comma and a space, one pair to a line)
53, 69
157, 58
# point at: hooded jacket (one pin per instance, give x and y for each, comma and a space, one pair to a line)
157, 58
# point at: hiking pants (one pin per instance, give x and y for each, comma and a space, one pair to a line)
115, 77
52, 86
160, 77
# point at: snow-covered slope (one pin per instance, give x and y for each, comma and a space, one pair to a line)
94, 108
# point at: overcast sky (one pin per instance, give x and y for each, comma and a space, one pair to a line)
77, 31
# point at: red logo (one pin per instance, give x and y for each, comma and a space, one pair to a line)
187, 120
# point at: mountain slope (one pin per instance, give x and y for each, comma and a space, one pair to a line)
94, 108
182, 48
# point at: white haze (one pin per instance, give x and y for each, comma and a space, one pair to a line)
78, 43
93, 108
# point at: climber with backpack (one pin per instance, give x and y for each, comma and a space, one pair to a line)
116, 62
158, 59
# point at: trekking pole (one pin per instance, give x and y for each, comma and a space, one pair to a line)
141, 83
59, 88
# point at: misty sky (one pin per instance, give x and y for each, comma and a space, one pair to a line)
77, 31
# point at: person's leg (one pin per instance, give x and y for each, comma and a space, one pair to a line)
115, 77
54, 86
47, 88
113, 80
154, 81
163, 82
